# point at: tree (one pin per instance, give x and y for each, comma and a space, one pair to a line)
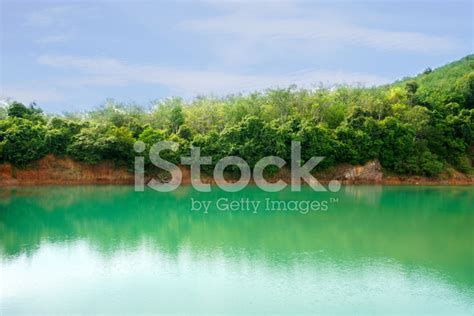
88, 145
249, 140
22, 141
417, 125
427, 71
152, 136
465, 90
396, 146
185, 132
411, 87
176, 119
102, 142
17, 109
59, 134
316, 141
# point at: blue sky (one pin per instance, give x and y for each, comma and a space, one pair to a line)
73, 55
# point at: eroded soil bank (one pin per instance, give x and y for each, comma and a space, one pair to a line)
52, 170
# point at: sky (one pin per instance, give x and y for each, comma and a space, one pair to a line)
74, 55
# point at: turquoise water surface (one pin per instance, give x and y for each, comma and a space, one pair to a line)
364, 250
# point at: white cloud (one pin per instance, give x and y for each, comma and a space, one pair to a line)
28, 95
52, 16
55, 38
58, 24
112, 72
321, 30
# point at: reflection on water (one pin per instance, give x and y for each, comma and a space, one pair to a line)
108, 249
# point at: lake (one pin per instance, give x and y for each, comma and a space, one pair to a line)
364, 249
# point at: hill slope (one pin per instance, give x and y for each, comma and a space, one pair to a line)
446, 84
418, 126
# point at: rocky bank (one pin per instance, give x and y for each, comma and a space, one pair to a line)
52, 170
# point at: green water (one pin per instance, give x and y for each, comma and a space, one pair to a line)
108, 249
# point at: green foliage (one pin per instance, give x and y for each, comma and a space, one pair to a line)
151, 136
3, 112
102, 142
210, 144
21, 141
354, 145
185, 132
415, 126
59, 134
464, 90
450, 83
19, 110
250, 139
176, 119
316, 141
397, 140
87, 146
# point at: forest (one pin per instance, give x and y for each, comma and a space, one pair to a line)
421, 125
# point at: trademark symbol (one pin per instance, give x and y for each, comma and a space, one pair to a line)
333, 200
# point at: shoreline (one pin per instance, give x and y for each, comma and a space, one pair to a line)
52, 170
385, 184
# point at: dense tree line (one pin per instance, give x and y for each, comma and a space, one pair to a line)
419, 125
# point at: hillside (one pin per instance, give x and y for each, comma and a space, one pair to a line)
440, 85
417, 126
